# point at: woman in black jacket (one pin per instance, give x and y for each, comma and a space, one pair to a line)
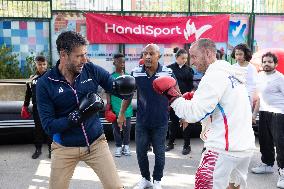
184, 76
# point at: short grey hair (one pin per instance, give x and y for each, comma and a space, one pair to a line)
156, 47
205, 43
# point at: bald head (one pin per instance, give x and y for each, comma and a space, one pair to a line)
202, 54
151, 56
207, 44
154, 46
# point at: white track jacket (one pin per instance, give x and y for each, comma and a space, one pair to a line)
222, 105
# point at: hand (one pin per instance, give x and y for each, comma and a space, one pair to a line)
183, 124
75, 118
121, 120
25, 114
166, 85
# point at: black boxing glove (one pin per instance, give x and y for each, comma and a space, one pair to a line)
124, 85
75, 118
89, 105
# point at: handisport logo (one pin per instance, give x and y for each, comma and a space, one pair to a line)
189, 30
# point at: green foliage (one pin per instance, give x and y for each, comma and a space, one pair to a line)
29, 68
9, 65
25, 8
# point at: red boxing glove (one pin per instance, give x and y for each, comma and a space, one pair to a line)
166, 85
141, 62
110, 116
25, 114
188, 95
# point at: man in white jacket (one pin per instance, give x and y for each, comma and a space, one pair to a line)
222, 104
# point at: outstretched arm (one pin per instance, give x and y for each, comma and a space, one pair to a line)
121, 116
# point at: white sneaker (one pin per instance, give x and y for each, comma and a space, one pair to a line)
143, 184
157, 185
118, 152
126, 150
262, 168
280, 183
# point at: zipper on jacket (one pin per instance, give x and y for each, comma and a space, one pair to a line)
78, 103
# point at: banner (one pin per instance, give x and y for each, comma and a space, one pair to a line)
103, 28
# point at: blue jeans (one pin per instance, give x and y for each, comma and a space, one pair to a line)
157, 137
125, 132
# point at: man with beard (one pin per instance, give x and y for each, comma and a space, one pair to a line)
222, 104
271, 117
152, 116
68, 108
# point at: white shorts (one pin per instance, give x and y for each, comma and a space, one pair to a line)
217, 170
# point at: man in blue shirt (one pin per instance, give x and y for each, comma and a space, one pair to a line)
60, 92
152, 116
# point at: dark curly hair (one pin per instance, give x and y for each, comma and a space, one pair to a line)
243, 47
118, 55
270, 54
40, 58
68, 40
175, 50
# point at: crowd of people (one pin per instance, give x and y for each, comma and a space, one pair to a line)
226, 102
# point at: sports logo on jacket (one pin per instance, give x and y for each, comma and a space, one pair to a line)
60, 90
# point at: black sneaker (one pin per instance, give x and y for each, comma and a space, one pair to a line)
169, 147
36, 154
186, 150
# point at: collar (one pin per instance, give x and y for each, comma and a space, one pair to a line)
56, 73
159, 69
179, 65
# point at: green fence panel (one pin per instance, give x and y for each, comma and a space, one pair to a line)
25, 9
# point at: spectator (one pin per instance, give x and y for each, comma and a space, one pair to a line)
114, 104
242, 54
184, 76
39, 134
271, 117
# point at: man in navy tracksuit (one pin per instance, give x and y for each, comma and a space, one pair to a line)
59, 93
152, 117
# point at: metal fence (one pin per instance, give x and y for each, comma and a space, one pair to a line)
44, 8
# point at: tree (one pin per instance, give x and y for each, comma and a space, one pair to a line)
9, 65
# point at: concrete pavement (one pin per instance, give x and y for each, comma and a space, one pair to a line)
19, 171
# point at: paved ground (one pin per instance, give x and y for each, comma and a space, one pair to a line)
19, 171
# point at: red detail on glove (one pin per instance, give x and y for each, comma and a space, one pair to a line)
109, 115
141, 62
25, 114
166, 85
188, 95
